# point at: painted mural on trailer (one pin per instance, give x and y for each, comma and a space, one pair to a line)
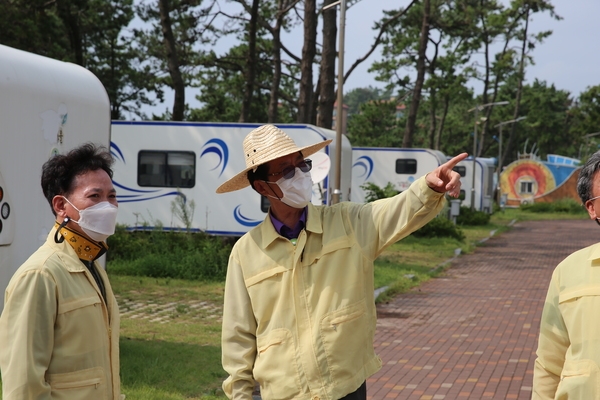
530, 179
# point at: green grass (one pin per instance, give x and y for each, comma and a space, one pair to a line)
178, 357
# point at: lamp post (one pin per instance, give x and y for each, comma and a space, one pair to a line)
499, 169
335, 195
476, 109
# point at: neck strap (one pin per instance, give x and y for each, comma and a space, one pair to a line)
86, 249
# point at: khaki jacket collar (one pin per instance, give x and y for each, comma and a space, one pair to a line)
268, 234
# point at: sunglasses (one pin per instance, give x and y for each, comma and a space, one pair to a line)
289, 171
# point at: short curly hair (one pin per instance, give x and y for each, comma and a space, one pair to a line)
60, 171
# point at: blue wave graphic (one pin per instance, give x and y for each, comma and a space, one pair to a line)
116, 152
136, 195
364, 163
245, 221
218, 147
134, 199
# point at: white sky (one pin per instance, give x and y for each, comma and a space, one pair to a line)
568, 58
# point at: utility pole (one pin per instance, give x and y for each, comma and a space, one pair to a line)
335, 195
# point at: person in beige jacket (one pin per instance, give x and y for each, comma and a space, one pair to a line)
299, 313
568, 353
59, 330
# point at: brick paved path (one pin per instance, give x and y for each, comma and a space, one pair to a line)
472, 333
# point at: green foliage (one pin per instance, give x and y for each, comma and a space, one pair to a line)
374, 192
183, 210
355, 98
566, 206
162, 254
377, 125
472, 217
440, 227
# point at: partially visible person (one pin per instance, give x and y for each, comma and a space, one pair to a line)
299, 314
568, 353
59, 330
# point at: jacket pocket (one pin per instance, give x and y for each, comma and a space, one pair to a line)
275, 367
84, 384
346, 341
579, 379
316, 251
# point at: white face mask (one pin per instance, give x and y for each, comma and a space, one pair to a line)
297, 191
97, 221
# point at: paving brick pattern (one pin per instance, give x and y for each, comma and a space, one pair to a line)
472, 333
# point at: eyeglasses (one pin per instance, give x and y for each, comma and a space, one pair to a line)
289, 171
593, 198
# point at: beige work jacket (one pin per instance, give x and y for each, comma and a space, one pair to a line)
58, 337
568, 353
300, 320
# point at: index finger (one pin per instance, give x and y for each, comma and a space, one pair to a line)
455, 160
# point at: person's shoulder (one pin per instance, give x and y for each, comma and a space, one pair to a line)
584, 257
42, 262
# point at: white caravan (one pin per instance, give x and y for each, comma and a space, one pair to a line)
47, 107
161, 167
383, 165
484, 182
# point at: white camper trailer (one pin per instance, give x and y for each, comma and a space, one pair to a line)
161, 167
47, 107
383, 165
484, 182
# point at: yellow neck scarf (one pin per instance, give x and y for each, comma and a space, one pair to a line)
86, 249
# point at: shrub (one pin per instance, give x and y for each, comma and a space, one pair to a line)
567, 206
374, 192
468, 217
162, 254
440, 227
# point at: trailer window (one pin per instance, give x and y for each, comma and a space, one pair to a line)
167, 169
406, 166
461, 169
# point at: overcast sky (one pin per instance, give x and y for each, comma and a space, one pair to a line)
568, 58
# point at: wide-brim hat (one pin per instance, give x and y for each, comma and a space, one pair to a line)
263, 144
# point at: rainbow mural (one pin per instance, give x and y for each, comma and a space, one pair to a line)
525, 180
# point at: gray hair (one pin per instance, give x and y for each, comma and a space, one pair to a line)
586, 177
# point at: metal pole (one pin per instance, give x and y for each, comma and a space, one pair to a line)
499, 164
335, 196
474, 157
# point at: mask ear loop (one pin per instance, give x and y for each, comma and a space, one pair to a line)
62, 238
277, 197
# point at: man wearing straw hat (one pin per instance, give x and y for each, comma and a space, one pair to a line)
299, 315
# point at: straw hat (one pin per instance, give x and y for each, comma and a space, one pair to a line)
263, 144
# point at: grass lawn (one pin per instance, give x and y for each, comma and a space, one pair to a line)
170, 329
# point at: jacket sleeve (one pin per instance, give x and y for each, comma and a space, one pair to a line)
238, 337
383, 222
27, 336
552, 346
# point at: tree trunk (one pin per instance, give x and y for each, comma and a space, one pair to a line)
273, 112
438, 137
172, 60
73, 28
250, 73
416, 96
327, 95
432, 117
513, 127
309, 49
